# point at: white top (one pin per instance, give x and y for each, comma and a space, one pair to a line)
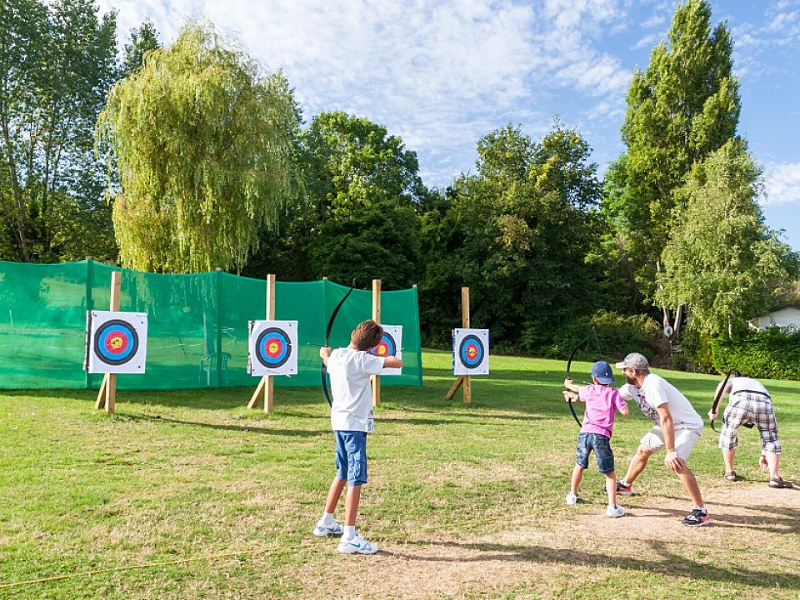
657, 391
740, 384
350, 372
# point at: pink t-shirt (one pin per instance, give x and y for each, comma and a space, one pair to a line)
601, 403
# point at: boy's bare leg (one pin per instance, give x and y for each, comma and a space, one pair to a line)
611, 488
577, 475
690, 485
727, 458
334, 494
351, 505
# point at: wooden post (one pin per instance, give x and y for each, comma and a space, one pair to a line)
463, 379
106, 397
266, 382
376, 316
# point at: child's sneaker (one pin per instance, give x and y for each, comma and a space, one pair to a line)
698, 517
357, 545
324, 529
571, 498
615, 511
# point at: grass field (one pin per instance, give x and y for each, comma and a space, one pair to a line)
188, 494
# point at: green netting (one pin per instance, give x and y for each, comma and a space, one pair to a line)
191, 320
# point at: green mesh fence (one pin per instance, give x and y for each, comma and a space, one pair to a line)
192, 319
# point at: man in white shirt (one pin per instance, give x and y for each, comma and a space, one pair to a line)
679, 428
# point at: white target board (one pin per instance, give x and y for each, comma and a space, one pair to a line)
391, 344
470, 352
272, 348
116, 342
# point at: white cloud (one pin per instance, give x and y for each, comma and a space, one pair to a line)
782, 184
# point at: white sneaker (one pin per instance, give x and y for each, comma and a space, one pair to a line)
357, 545
324, 529
615, 511
571, 498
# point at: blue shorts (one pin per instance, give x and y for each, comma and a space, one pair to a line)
602, 451
351, 456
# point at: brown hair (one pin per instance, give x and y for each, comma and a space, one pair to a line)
366, 335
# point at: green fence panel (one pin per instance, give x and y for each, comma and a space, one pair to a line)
197, 325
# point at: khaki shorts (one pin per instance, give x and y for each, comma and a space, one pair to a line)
685, 439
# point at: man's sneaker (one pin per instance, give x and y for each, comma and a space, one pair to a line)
615, 511
622, 490
324, 529
697, 518
571, 498
357, 545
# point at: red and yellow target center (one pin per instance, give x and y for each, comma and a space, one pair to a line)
115, 343
472, 352
273, 347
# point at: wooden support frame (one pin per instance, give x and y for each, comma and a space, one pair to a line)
266, 383
106, 397
376, 316
463, 381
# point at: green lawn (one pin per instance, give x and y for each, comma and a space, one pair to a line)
189, 494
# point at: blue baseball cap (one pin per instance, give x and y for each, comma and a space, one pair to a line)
601, 371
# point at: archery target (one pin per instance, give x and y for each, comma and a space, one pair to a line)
470, 352
116, 342
272, 348
390, 345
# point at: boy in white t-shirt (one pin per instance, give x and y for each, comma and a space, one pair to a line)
350, 370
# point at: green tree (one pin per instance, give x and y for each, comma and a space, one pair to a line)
57, 62
516, 233
144, 39
684, 106
363, 191
722, 261
203, 145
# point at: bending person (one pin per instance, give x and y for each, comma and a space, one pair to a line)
749, 404
678, 430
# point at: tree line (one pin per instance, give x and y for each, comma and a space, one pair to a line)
189, 157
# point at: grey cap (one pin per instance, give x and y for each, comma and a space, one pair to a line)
634, 360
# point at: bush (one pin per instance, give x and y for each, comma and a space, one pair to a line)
768, 354
614, 336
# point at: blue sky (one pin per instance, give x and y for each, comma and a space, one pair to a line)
442, 73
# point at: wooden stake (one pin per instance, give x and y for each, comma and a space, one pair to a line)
106, 397
376, 316
266, 383
463, 379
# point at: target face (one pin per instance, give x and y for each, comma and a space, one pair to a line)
273, 348
390, 345
386, 347
116, 342
471, 352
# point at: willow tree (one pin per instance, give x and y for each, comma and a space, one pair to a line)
202, 142
722, 261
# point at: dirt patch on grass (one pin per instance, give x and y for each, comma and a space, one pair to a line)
547, 557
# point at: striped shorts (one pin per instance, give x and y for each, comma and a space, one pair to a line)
750, 408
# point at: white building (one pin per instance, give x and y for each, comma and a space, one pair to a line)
786, 317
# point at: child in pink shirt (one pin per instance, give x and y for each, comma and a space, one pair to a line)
602, 403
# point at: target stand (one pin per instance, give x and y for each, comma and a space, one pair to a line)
116, 342
470, 352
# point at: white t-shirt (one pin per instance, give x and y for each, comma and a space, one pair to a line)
350, 372
739, 384
657, 391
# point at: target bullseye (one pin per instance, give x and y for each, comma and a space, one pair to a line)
116, 342
273, 347
386, 347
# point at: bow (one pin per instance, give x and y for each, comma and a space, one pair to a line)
569, 365
323, 370
718, 397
